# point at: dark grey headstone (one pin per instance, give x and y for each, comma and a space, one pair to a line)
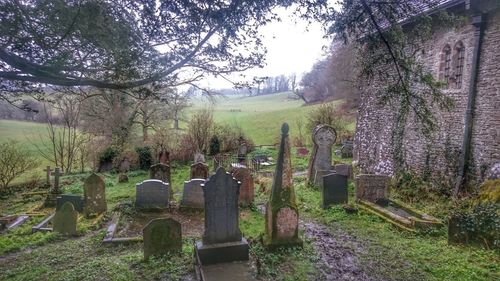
162, 236
221, 193
152, 194
334, 190
192, 196
76, 200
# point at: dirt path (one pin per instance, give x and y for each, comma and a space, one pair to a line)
338, 252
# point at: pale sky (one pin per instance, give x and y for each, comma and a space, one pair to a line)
293, 46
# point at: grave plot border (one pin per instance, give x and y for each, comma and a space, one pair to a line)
418, 222
110, 238
20, 220
41, 226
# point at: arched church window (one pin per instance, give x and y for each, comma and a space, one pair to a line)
445, 65
459, 57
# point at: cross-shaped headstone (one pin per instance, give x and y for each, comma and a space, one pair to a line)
48, 171
57, 174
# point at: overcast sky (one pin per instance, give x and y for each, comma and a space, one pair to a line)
293, 46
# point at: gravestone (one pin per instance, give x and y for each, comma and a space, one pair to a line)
222, 239
334, 190
75, 200
94, 195
192, 196
57, 175
152, 194
124, 166
199, 171
320, 163
199, 158
160, 172
162, 236
164, 157
65, 219
346, 150
344, 169
244, 176
47, 171
282, 216
371, 188
242, 152
122, 177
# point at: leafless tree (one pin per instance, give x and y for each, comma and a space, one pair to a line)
13, 163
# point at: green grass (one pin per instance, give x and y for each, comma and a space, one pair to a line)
260, 117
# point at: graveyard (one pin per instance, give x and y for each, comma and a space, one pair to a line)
254, 140
105, 240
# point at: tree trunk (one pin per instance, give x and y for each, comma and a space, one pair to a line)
145, 133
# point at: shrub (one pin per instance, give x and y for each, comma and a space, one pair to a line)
230, 137
145, 157
333, 115
214, 145
108, 155
200, 128
480, 225
13, 162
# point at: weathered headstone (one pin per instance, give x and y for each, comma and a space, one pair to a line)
124, 165
192, 196
199, 158
122, 177
57, 175
65, 219
199, 171
346, 150
321, 158
222, 239
160, 172
282, 216
344, 169
47, 171
164, 157
152, 194
372, 187
162, 236
334, 190
94, 195
76, 200
244, 176
242, 152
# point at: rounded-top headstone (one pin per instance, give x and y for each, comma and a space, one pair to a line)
161, 236
285, 128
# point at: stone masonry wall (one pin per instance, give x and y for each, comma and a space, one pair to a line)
438, 156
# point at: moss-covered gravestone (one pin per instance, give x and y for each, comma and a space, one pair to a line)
160, 172
320, 164
282, 216
162, 236
64, 220
199, 171
94, 195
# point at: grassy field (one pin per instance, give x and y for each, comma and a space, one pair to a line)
260, 117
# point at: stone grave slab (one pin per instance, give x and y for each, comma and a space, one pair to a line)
334, 190
65, 219
199, 171
76, 200
244, 176
152, 194
371, 187
162, 236
222, 239
192, 195
94, 195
